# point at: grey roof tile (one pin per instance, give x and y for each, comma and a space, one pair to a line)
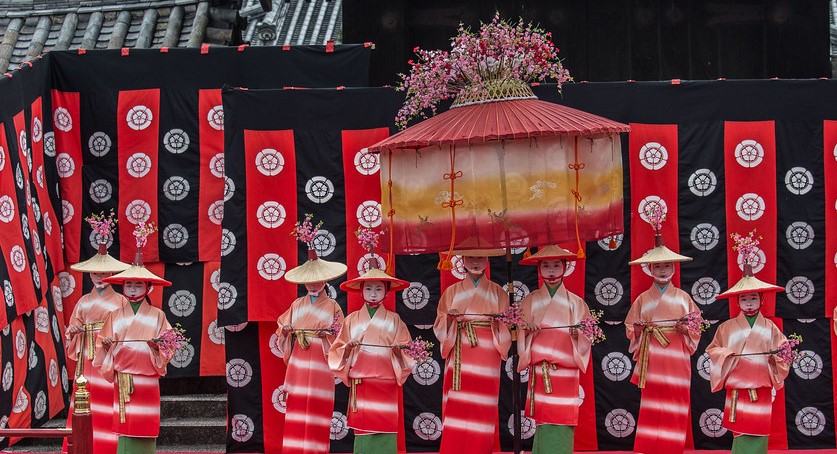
291, 22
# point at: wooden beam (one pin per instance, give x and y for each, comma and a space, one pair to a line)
68, 30
267, 5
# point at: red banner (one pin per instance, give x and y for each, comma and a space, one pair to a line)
211, 194
53, 245
138, 124
212, 336
653, 162
830, 174
11, 238
271, 207
361, 172
68, 161
750, 182
273, 396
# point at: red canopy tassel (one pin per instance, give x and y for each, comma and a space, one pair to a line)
445, 262
577, 195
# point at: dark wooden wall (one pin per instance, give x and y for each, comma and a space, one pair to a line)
612, 40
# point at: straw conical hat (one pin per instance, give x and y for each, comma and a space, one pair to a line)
749, 284
102, 262
551, 252
660, 254
374, 274
137, 272
315, 270
477, 247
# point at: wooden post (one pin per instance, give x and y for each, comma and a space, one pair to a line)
82, 440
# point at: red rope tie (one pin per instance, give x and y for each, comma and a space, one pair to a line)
164, 50
204, 48
452, 175
242, 47
126, 51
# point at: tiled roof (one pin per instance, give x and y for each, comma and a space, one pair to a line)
30, 27
293, 22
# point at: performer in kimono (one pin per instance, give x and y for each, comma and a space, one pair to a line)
306, 331
555, 356
661, 345
368, 358
85, 322
738, 365
473, 343
129, 356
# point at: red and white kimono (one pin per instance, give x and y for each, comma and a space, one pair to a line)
309, 383
134, 368
374, 374
663, 370
749, 380
555, 358
474, 349
90, 313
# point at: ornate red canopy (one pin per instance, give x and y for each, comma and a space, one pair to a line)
503, 120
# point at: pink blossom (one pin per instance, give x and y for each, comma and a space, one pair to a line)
498, 51
368, 238
511, 316
418, 349
589, 326
142, 231
787, 352
656, 216
745, 245
172, 340
306, 231
103, 225
694, 322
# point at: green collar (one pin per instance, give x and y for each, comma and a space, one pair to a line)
135, 306
751, 319
371, 310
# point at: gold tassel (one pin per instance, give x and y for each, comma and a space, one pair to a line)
753, 396
547, 381
531, 391
125, 384
445, 263
527, 253
732, 405
353, 393
612, 244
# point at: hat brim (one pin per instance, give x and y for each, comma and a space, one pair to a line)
100, 263
750, 284
660, 254
374, 274
479, 252
551, 252
318, 270
137, 273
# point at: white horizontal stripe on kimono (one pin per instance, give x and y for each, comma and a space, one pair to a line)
740, 374
554, 357
374, 374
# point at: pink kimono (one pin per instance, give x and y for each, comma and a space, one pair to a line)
749, 380
90, 312
374, 374
309, 382
663, 369
472, 384
555, 357
134, 368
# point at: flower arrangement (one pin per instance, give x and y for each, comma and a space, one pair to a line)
335, 326
142, 231
745, 245
512, 316
589, 326
102, 224
172, 340
501, 55
694, 322
787, 352
418, 349
306, 230
368, 238
656, 216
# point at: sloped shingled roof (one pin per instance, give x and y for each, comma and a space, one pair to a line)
293, 23
31, 27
